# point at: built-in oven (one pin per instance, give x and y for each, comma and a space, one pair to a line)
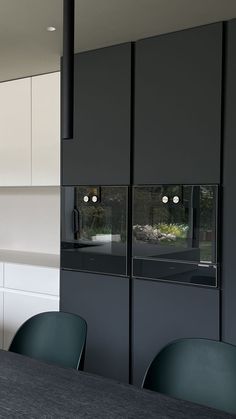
94, 229
175, 233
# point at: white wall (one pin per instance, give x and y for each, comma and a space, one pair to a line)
30, 219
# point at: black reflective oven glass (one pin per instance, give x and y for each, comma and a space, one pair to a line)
174, 233
94, 229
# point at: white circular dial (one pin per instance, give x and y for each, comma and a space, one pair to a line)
176, 199
94, 198
165, 199
86, 198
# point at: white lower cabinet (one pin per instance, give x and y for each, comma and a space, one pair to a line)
35, 279
25, 290
19, 306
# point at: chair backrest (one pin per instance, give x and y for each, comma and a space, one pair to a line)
198, 370
54, 337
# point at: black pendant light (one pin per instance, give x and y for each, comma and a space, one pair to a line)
67, 85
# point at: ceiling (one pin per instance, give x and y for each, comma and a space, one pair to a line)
26, 48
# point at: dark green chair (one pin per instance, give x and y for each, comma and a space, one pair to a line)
198, 370
53, 337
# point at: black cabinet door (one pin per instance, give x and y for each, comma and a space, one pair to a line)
229, 195
178, 107
99, 154
103, 301
166, 312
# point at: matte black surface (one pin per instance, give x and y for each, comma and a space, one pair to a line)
229, 193
103, 301
164, 312
31, 389
67, 85
100, 152
178, 107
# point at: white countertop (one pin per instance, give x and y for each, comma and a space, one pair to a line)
28, 258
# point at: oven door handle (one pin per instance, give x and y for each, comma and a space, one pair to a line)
75, 220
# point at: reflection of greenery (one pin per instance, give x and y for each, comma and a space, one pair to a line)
89, 232
108, 216
207, 207
161, 233
95, 220
206, 251
95, 216
177, 230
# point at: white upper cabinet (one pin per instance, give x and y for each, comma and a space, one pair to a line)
15, 133
46, 129
30, 131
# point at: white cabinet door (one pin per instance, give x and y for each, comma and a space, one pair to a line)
32, 278
15, 133
1, 319
20, 306
46, 129
1, 274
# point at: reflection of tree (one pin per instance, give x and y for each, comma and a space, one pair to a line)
108, 216
149, 208
93, 218
207, 207
176, 220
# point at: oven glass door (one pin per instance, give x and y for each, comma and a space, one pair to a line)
94, 229
175, 233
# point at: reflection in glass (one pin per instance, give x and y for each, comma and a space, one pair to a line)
175, 223
94, 229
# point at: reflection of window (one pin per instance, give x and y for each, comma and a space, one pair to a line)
207, 222
104, 220
95, 220
190, 223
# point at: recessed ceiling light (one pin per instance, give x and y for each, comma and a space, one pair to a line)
51, 28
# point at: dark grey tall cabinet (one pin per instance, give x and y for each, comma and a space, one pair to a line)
99, 153
177, 141
103, 301
178, 107
229, 189
149, 115
163, 312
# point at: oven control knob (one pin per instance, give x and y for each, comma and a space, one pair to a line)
165, 199
176, 199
